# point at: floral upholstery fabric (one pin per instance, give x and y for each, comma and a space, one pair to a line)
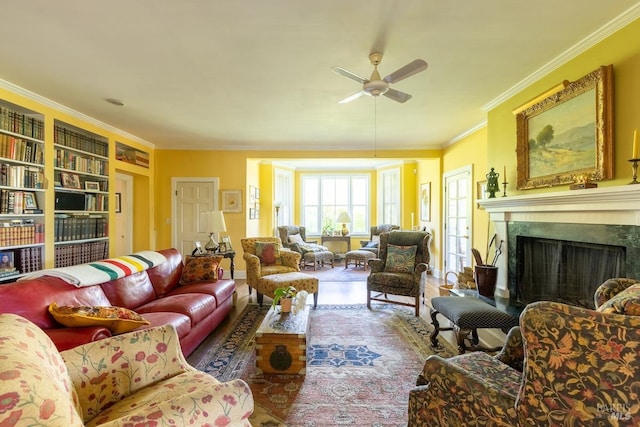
396, 283
626, 302
200, 269
301, 281
580, 367
255, 269
610, 288
594, 356
34, 383
139, 378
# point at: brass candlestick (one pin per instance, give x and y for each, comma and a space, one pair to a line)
634, 166
504, 192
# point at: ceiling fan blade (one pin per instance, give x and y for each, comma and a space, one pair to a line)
349, 74
351, 97
408, 70
396, 95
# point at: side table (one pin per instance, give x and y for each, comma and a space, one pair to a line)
346, 239
229, 254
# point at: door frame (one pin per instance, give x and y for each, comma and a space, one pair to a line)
174, 201
468, 169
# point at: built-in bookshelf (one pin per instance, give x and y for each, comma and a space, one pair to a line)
131, 155
21, 191
81, 172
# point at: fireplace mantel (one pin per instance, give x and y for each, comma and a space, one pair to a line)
615, 205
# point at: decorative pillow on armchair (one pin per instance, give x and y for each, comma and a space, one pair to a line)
117, 319
400, 259
268, 253
200, 269
626, 302
296, 239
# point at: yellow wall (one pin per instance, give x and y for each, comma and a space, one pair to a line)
623, 51
495, 145
239, 169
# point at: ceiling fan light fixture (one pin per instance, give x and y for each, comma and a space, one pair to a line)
375, 87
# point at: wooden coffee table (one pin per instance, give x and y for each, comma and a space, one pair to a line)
281, 342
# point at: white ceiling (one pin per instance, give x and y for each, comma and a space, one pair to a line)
256, 74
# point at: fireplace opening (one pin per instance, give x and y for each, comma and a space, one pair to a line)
564, 271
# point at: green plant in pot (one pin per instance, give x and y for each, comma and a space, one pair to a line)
284, 296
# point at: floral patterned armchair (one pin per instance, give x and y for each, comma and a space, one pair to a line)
403, 259
581, 368
139, 378
284, 261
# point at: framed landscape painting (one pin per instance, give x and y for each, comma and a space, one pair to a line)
568, 136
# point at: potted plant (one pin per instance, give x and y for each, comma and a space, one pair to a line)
284, 296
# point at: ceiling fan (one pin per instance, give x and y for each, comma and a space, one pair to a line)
375, 86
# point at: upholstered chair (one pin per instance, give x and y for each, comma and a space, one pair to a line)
137, 378
258, 250
294, 237
373, 243
403, 260
564, 365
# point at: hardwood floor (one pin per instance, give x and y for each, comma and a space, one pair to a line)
340, 293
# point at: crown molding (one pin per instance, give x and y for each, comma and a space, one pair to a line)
69, 111
602, 33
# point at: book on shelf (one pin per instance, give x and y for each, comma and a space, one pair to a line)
79, 141
21, 123
79, 227
19, 232
72, 254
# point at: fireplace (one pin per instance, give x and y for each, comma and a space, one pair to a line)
563, 270
601, 219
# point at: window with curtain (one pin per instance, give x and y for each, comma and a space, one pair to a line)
324, 197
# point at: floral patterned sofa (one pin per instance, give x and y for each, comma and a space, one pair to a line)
135, 379
580, 368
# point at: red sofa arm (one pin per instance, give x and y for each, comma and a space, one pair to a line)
66, 338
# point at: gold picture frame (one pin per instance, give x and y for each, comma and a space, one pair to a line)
568, 136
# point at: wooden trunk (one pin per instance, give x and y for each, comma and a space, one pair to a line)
281, 343
278, 354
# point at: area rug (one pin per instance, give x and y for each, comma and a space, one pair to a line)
361, 365
339, 274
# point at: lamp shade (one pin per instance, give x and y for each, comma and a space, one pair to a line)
344, 217
214, 221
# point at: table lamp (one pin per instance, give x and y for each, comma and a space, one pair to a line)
214, 221
344, 218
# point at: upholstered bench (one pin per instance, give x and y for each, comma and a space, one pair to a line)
359, 257
317, 258
301, 281
468, 314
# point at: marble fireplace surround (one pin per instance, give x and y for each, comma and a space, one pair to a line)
607, 215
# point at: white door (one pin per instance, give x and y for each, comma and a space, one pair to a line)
124, 218
458, 204
191, 198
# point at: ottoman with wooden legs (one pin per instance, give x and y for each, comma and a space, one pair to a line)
301, 281
468, 314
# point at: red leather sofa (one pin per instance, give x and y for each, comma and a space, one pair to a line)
194, 309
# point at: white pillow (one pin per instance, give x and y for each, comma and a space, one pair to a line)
296, 238
375, 238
